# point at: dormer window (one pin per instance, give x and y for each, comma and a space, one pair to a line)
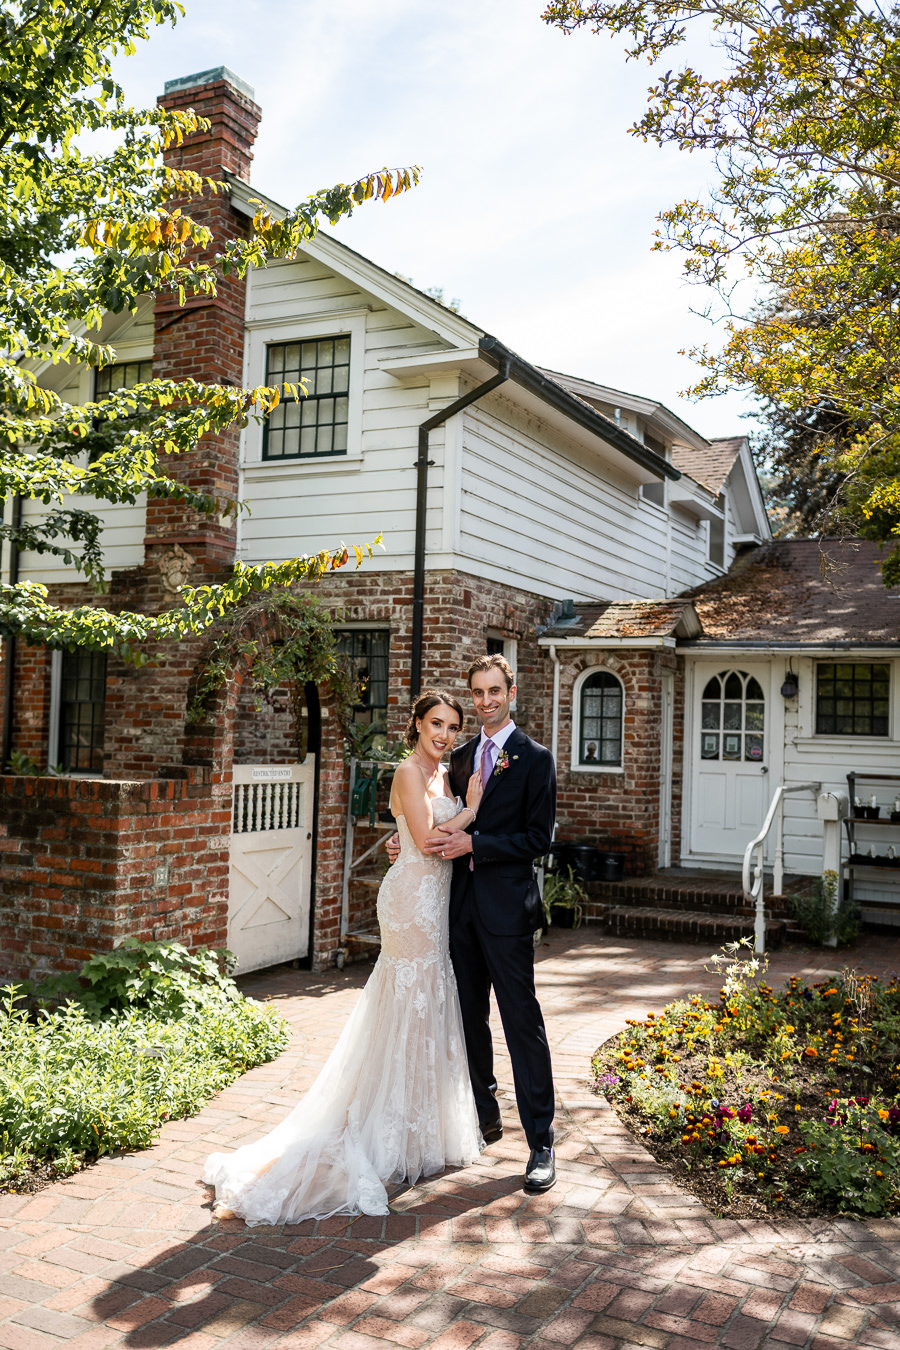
716, 545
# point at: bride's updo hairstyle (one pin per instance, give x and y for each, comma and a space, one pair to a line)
428, 699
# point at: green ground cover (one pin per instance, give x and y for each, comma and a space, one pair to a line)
97, 1062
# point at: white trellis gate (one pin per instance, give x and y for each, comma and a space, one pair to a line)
271, 863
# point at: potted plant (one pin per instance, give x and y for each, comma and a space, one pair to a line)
563, 898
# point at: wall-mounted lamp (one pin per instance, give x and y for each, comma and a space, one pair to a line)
791, 686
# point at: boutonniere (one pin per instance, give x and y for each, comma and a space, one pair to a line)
502, 762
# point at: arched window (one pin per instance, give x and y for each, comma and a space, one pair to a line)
597, 725
733, 717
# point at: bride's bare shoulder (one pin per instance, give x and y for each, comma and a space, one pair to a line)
408, 777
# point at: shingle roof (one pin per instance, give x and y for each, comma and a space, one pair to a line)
777, 593
712, 465
594, 621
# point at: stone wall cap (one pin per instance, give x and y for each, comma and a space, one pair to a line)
213, 76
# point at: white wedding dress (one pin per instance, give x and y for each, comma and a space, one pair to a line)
393, 1102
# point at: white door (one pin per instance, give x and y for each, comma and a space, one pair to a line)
729, 760
271, 863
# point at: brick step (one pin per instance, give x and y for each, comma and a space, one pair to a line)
660, 896
685, 925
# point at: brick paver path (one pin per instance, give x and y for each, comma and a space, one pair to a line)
614, 1257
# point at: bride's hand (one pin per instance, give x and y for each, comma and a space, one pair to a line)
474, 792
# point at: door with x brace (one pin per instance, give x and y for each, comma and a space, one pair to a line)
271, 863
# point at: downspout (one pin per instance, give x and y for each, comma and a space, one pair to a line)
9, 654
438, 418
554, 726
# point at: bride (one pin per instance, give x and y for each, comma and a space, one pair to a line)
393, 1102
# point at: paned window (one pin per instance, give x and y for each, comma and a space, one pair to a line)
600, 721
317, 424
368, 652
122, 375
733, 717
852, 699
82, 707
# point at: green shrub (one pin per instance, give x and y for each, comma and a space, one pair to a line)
820, 915
150, 1033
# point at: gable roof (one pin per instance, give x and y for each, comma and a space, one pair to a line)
468, 346
776, 595
710, 464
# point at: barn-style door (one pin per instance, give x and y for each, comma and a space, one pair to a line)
271, 863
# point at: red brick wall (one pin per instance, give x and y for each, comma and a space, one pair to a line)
204, 338
86, 863
264, 728
620, 811
458, 611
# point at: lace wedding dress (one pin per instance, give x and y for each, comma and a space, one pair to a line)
393, 1102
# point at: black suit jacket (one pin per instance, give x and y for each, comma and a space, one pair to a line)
514, 827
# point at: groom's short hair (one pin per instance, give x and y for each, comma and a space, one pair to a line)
492, 661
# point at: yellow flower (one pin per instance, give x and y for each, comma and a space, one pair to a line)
782, 1129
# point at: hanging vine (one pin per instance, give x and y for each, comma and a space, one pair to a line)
286, 641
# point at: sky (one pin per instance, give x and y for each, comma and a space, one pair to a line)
536, 208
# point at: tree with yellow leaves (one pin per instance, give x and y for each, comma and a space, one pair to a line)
105, 214
804, 130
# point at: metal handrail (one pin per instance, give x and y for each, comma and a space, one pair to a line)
754, 891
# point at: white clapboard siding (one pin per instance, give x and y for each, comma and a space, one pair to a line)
123, 525
302, 506
828, 760
562, 522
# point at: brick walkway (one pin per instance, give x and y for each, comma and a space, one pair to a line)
614, 1257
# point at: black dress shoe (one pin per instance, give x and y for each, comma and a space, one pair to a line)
540, 1174
492, 1130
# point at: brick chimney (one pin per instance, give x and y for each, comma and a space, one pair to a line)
204, 338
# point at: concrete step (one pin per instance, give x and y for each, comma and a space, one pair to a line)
685, 925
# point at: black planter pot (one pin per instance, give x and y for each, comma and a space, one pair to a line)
588, 861
562, 916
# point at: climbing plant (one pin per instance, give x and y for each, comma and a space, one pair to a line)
285, 640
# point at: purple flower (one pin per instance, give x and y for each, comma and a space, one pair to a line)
861, 1101
745, 1114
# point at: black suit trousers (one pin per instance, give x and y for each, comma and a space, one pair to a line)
506, 962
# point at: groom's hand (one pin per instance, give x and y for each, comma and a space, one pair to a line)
449, 844
393, 848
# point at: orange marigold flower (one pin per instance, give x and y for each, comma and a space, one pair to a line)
782, 1129
811, 1052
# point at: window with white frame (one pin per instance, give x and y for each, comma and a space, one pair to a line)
853, 698
598, 720
315, 424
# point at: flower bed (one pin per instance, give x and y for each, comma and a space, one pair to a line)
148, 1033
768, 1102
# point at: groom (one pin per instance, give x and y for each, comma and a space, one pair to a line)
495, 909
